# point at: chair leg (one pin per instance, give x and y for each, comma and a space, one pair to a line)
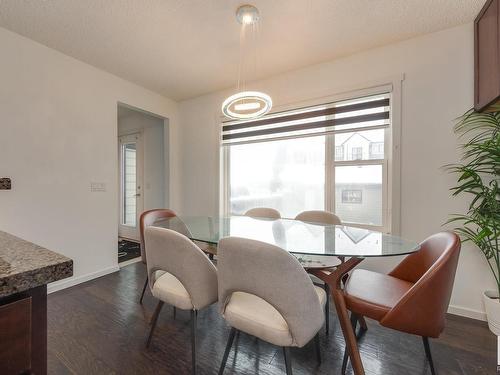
428, 354
143, 290
288, 360
318, 348
153, 322
354, 321
228, 349
194, 317
362, 323
327, 309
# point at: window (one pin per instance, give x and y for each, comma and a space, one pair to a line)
357, 153
326, 157
352, 196
287, 175
376, 150
339, 152
129, 159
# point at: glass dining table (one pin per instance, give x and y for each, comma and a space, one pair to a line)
327, 251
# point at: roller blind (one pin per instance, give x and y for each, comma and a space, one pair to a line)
368, 112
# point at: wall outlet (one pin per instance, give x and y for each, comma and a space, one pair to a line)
97, 187
5, 183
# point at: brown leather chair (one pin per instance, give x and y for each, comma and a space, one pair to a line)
414, 296
148, 218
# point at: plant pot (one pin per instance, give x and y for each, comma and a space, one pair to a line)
492, 307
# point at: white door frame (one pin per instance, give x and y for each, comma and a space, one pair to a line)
125, 230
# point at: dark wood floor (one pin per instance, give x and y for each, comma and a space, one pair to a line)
99, 328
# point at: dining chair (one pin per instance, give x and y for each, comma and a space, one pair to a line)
146, 219
179, 274
263, 213
413, 297
322, 218
265, 292
319, 217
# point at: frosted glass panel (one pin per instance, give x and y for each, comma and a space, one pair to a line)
129, 184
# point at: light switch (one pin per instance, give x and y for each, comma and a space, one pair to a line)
97, 187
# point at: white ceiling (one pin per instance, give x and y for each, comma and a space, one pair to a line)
185, 48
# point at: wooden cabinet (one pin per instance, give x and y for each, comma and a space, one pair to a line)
486, 56
23, 332
15, 337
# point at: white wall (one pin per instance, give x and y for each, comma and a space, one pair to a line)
154, 144
438, 87
58, 132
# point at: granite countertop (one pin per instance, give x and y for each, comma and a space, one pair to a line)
24, 265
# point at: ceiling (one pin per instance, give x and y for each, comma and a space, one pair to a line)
185, 48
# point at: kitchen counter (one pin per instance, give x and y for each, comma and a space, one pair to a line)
25, 271
24, 265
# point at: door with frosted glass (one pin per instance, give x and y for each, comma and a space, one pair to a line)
131, 196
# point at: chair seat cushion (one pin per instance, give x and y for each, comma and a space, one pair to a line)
373, 294
251, 314
169, 289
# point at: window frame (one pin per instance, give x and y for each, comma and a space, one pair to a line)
391, 174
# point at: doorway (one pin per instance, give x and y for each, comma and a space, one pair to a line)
142, 167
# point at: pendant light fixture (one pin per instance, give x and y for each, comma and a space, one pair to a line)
246, 105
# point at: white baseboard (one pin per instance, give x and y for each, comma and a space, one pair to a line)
72, 281
466, 312
129, 262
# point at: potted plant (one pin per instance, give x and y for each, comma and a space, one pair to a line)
478, 177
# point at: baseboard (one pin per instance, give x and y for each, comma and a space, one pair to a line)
129, 262
466, 312
72, 281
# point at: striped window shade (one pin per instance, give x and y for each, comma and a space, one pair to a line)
366, 113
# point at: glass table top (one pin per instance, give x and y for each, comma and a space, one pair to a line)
295, 236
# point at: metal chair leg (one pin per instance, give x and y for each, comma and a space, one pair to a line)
228, 349
153, 322
288, 360
428, 354
194, 317
318, 348
354, 321
327, 309
143, 290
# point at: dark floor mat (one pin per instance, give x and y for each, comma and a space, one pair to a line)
128, 250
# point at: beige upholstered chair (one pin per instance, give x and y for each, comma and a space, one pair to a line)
319, 217
322, 218
146, 219
265, 292
180, 275
263, 213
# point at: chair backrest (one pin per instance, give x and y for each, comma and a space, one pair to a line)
432, 269
319, 217
274, 275
176, 254
263, 212
146, 219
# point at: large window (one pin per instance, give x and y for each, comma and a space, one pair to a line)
329, 157
287, 175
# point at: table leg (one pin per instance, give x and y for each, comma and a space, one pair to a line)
334, 279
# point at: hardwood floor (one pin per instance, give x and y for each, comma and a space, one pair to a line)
100, 328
